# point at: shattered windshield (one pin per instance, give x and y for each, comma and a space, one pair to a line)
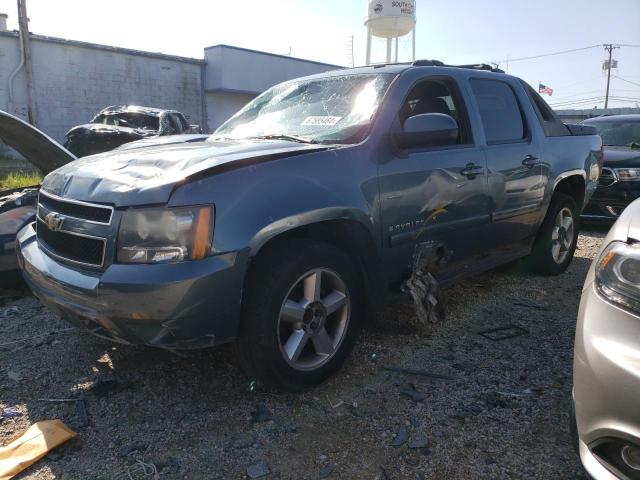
324, 110
129, 119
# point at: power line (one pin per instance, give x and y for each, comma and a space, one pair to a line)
562, 52
628, 81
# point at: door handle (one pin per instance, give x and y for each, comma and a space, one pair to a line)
471, 170
530, 161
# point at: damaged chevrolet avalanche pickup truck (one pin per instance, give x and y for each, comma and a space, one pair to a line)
283, 230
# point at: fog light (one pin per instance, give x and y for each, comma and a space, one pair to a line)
620, 457
631, 456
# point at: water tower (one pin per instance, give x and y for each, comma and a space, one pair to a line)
391, 19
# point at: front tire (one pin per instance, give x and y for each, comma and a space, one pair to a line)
557, 238
302, 314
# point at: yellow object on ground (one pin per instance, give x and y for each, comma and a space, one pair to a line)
31, 446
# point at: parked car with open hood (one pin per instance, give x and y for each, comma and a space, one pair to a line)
288, 224
18, 206
117, 125
606, 368
620, 179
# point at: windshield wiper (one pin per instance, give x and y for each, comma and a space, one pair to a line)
283, 136
633, 145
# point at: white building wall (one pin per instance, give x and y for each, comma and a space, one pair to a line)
236, 75
222, 106
74, 80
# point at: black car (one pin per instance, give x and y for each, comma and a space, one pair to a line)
619, 182
117, 125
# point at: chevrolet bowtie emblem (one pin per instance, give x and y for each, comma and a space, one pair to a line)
54, 221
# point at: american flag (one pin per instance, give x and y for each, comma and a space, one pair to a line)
542, 88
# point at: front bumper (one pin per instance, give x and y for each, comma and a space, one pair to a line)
607, 203
176, 306
606, 378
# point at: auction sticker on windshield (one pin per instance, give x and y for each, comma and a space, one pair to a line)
321, 121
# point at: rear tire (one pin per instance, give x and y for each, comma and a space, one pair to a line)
557, 238
302, 314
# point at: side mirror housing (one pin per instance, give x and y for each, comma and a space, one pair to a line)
427, 129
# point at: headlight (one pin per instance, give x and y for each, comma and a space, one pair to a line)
628, 174
618, 274
165, 235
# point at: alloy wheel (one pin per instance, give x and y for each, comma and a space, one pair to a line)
562, 235
313, 319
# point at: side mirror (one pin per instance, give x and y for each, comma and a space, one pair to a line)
428, 129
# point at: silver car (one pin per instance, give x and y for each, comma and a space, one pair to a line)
606, 370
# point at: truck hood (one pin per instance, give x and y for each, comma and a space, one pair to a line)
621, 157
40, 150
164, 140
149, 175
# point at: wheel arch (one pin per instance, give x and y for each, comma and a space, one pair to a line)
347, 232
572, 184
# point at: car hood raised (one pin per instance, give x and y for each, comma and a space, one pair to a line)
40, 150
149, 175
621, 156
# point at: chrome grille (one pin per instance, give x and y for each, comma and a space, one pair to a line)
82, 210
607, 177
73, 231
81, 249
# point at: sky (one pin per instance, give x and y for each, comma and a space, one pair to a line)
454, 31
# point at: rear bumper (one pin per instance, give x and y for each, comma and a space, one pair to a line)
175, 306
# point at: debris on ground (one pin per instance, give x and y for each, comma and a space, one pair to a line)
419, 442
417, 371
258, 470
410, 391
10, 312
15, 376
82, 418
102, 387
529, 304
503, 333
423, 288
10, 412
261, 414
401, 437
32, 445
325, 471
140, 470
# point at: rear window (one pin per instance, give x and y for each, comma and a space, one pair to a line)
499, 110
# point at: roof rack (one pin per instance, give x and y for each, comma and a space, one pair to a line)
438, 63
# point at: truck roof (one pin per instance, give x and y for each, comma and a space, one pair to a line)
397, 68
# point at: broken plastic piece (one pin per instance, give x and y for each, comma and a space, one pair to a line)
29, 447
422, 286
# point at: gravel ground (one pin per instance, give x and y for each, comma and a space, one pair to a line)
501, 412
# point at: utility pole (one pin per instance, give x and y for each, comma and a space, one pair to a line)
23, 22
609, 47
350, 55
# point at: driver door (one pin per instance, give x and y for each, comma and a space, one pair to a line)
435, 193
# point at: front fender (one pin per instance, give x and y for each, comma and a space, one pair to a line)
291, 222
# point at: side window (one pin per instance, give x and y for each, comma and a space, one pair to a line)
183, 122
551, 123
176, 126
500, 112
439, 95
